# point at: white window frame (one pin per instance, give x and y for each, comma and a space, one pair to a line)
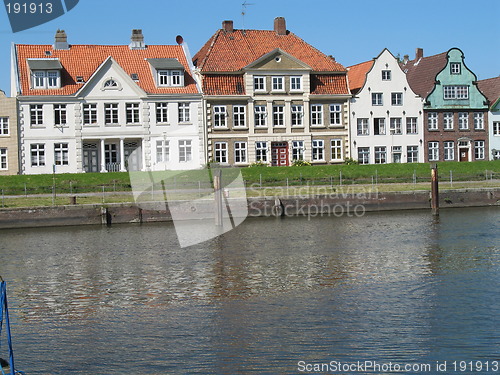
386, 75
363, 127
395, 127
239, 116
364, 155
433, 150
185, 151
278, 83
496, 128
381, 126
397, 98
336, 149
111, 114
46, 79
170, 78
37, 154
298, 150
4, 160
297, 115
132, 113
162, 151
396, 150
432, 121
240, 152
377, 98
296, 84
455, 68
335, 114
161, 109
479, 147
448, 118
184, 113
316, 115
318, 150
89, 114
412, 125
61, 153
380, 153
4, 125
278, 115
478, 121
220, 152
259, 83
463, 120
260, 116
451, 92
219, 116
411, 154
36, 115
60, 115
449, 150
261, 151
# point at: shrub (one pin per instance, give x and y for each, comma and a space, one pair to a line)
301, 163
258, 164
350, 161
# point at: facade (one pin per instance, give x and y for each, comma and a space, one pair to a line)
98, 108
8, 136
269, 97
491, 88
386, 122
455, 110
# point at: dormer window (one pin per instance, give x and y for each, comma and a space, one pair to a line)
168, 72
45, 73
167, 78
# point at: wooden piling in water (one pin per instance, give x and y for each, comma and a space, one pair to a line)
434, 190
218, 197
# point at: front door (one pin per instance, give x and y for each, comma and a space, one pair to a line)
90, 157
464, 154
279, 154
133, 157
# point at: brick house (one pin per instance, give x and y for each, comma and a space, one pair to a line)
270, 97
455, 110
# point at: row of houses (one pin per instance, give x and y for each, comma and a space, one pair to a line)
247, 96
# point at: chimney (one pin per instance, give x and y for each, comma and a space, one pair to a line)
227, 26
419, 53
137, 40
405, 59
280, 26
61, 40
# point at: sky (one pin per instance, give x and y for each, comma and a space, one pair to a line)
351, 31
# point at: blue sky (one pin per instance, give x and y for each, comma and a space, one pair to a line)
353, 31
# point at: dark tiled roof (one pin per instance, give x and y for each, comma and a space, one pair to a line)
421, 74
490, 88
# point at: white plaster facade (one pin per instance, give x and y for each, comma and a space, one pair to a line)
386, 116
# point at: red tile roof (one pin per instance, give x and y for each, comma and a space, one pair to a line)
232, 51
421, 74
357, 75
223, 85
490, 88
328, 84
83, 60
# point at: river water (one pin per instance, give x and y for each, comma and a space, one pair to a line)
273, 296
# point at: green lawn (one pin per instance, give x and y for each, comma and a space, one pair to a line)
382, 173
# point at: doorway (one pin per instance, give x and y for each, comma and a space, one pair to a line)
279, 154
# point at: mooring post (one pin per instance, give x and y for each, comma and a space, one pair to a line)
218, 197
434, 190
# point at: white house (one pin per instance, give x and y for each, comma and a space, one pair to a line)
386, 116
100, 108
491, 89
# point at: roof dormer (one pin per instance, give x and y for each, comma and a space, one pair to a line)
167, 72
45, 73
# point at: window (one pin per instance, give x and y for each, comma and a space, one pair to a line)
411, 125
4, 126
61, 154
60, 114
449, 151
396, 126
363, 155
111, 156
448, 121
456, 92
37, 154
397, 98
316, 114
161, 113
259, 83
377, 98
386, 75
380, 155
432, 121
379, 126
278, 115
36, 114
220, 116
184, 114
46, 79
132, 111
455, 68
297, 150
89, 114
318, 147
296, 83
3, 159
297, 114
412, 154
240, 152
479, 150
170, 78
433, 150
496, 128
278, 84
162, 151
220, 153
463, 120
110, 83
478, 120
111, 113
261, 151
239, 115
396, 154
336, 146
260, 115
363, 126
335, 114
185, 151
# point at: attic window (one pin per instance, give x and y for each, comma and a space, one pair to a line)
110, 83
134, 76
50, 79
79, 79
48, 53
170, 78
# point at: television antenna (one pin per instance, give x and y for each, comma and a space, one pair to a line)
244, 11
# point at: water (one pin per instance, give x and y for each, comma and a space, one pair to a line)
387, 287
